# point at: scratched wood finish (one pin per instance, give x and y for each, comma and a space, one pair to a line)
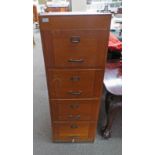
75, 109
75, 83
70, 22
59, 48
74, 131
75, 51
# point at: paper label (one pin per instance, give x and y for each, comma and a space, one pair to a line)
45, 20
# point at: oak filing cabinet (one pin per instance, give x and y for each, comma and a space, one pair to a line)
75, 49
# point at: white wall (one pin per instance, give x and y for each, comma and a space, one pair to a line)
79, 5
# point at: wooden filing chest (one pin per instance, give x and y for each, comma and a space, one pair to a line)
75, 49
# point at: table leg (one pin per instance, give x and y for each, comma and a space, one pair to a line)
106, 133
110, 110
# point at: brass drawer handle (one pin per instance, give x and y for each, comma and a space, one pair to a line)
75, 78
75, 93
74, 106
74, 126
76, 60
76, 117
75, 39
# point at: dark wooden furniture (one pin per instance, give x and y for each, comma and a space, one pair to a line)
113, 86
57, 9
75, 50
35, 14
35, 20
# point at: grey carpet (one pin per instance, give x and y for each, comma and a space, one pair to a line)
41, 126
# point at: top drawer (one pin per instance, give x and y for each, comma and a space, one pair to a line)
75, 48
52, 22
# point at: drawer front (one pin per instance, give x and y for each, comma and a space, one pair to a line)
69, 110
74, 131
76, 48
75, 22
68, 83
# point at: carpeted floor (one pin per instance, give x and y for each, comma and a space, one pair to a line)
42, 134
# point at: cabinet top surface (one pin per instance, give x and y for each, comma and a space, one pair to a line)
71, 13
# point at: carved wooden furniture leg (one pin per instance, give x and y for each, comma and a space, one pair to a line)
111, 111
33, 41
37, 25
106, 119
